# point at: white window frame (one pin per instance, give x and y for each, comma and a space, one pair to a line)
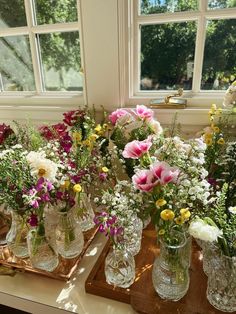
39, 97
196, 98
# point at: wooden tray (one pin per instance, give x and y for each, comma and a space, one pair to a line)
141, 295
64, 270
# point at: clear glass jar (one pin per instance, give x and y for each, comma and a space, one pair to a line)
170, 274
5, 223
221, 284
51, 219
120, 268
69, 235
84, 211
133, 235
42, 254
17, 236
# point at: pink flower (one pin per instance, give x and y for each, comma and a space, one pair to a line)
136, 149
164, 173
143, 112
117, 114
144, 180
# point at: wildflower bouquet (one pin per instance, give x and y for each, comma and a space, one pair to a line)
129, 125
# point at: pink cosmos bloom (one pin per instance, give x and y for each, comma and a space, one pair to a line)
164, 173
136, 149
144, 180
143, 112
117, 114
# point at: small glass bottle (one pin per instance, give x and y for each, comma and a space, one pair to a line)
69, 235
84, 211
120, 267
170, 273
42, 254
16, 237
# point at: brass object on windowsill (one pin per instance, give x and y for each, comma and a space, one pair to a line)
170, 101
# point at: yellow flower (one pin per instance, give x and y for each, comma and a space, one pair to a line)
77, 136
161, 232
179, 220
221, 141
234, 83
208, 141
93, 137
105, 169
232, 78
77, 188
211, 112
216, 129
160, 202
185, 213
207, 136
219, 111
66, 184
98, 128
167, 214
213, 107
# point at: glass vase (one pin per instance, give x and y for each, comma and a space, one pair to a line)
69, 235
120, 268
221, 284
5, 223
133, 235
170, 274
51, 219
16, 237
84, 212
42, 254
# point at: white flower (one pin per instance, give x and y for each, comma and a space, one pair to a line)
155, 126
232, 209
41, 166
201, 230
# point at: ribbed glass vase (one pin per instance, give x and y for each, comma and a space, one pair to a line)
16, 237
120, 268
133, 235
170, 273
69, 235
221, 284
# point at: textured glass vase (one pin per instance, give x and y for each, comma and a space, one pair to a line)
17, 236
51, 219
69, 235
42, 254
221, 284
5, 223
84, 212
120, 268
133, 235
170, 274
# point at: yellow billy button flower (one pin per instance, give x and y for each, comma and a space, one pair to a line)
160, 202
77, 136
105, 169
161, 232
77, 188
208, 141
221, 141
167, 214
216, 129
66, 184
207, 135
185, 213
213, 107
98, 128
179, 220
94, 136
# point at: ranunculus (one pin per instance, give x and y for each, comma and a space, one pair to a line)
164, 173
115, 116
201, 230
136, 149
143, 112
155, 126
144, 180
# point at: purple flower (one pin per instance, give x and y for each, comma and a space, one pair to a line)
40, 183
34, 204
102, 176
45, 197
33, 220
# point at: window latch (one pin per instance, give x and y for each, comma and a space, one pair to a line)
170, 101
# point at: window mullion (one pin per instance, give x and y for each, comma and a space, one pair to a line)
14, 31
33, 46
199, 48
58, 27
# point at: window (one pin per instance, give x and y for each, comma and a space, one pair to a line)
40, 47
182, 43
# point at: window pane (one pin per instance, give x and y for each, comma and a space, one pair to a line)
61, 63
16, 73
221, 4
162, 6
167, 54
219, 66
12, 13
55, 11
